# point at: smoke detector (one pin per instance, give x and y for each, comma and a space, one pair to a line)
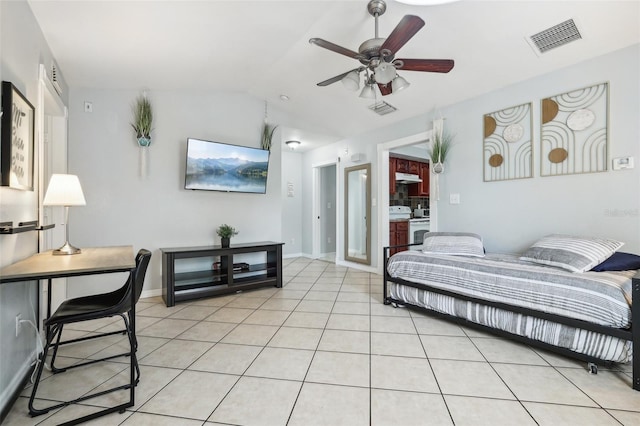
553, 37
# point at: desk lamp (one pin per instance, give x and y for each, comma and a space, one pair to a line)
65, 190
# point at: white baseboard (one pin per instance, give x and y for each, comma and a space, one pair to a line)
16, 382
151, 293
289, 256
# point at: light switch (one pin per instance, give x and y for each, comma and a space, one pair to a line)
454, 198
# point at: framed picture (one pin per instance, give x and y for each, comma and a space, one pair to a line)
574, 132
16, 139
507, 144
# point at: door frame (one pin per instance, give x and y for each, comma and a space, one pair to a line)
383, 189
316, 208
53, 115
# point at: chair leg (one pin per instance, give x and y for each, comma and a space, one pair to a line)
54, 369
33, 411
134, 348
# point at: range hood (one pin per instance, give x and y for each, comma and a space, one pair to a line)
407, 178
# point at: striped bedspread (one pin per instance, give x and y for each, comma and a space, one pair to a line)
598, 297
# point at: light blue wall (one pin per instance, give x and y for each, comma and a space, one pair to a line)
510, 215
156, 211
22, 49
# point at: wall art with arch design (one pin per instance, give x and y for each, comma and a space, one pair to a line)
574, 132
508, 144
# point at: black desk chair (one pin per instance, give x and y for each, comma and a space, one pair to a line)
87, 308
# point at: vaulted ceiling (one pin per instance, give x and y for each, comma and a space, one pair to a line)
262, 48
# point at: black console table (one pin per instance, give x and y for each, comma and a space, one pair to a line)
223, 275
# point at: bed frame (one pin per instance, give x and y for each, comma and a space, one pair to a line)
632, 334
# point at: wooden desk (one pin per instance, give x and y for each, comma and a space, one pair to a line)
92, 261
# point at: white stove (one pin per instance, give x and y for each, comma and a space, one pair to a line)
417, 227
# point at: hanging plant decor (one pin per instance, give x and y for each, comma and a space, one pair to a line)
267, 131
267, 134
440, 147
142, 120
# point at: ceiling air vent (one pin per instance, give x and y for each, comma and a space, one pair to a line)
382, 108
556, 36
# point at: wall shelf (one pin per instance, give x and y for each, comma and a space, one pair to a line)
8, 228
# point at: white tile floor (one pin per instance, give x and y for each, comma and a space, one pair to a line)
324, 350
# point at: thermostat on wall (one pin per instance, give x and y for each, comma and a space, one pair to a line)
623, 163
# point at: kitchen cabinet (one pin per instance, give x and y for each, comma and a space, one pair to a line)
392, 175
421, 189
402, 165
414, 167
398, 235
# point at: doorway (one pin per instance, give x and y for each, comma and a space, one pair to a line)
325, 212
52, 133
384, 150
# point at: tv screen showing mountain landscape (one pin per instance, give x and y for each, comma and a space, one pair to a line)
215, 166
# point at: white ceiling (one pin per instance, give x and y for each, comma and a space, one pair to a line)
261, 48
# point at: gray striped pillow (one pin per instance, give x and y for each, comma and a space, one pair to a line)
453, 243
576, 254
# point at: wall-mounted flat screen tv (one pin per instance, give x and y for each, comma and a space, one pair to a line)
215, 166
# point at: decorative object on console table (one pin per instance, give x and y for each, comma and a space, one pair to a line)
64, 190
507, 144
225, 232
574, 132
16, 148
142, 122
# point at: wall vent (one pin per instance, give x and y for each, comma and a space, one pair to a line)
556, 36
55, 79
382, 108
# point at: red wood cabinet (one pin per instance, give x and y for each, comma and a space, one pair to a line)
414, 167
421, 189
398, 234
392, 175
402, 165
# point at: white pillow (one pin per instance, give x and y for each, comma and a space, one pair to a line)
573, 253
453, 243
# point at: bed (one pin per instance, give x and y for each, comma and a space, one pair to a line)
586, 315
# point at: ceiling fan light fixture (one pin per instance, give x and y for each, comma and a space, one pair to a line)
352, 81
399, 83
384, 73
368, 92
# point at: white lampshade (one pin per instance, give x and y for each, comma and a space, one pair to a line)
398, 84
351, 81
368, 92
384, 73
64, 190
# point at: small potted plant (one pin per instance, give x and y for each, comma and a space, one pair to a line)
142, 120
225, 232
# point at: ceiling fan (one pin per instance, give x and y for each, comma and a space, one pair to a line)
377, 56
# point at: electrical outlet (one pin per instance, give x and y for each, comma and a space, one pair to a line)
293, 241
18, 325
329, 240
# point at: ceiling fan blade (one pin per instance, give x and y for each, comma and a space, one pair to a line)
385, 89
334, 48
402, 33
427, 65
336, 78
